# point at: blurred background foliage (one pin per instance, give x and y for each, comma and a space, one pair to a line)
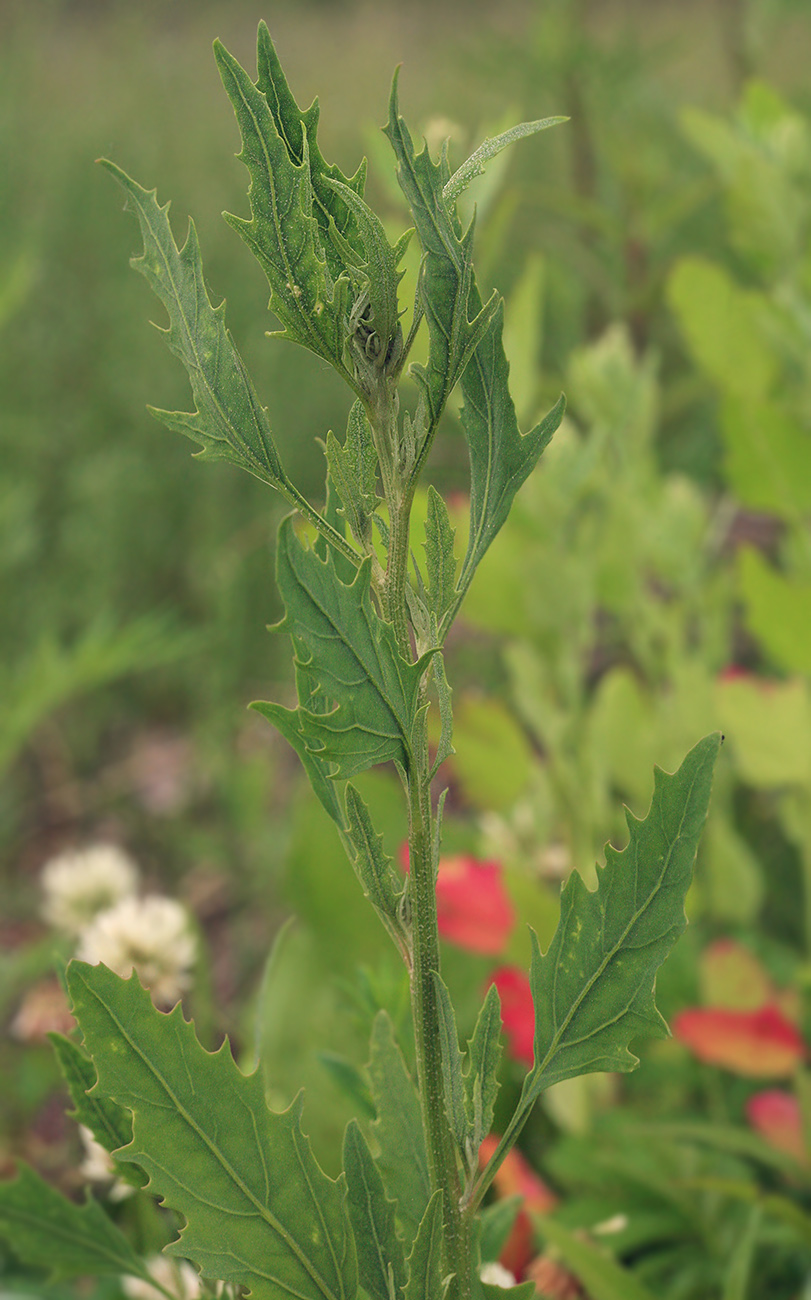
653, 583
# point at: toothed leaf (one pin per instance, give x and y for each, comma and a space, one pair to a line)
403, 1162
350, 661
229, 423
451, 1065
259, 1211
381, 882
440, 560
425, 1280
381, 1258
111, 1125
476, 163
484, 1056
594, 989
353, 472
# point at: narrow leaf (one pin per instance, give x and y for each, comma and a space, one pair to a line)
594, 989
739, 1269
603, 1277
332, 214
283, 232
47, 1230
452, 1068
349, 658
229, 422
484, 1056
402, 1161
440, 560
381, 882
381, 1259
111, 1125
445, 747
425, 1281
353, 473
476, 163
259, 1211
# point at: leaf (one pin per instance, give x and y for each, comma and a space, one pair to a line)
335, 219
444, 747
260, 1212
425, 1280
353, 472
475, 164
440, 562
594, 990
758, 1044
497, 1222
111, 1125
602, 1277
47, 1230
452, 1070
283, 233
768, 723
381, 1259
345, 656
229, 422
402, 1161
446, 276
739, 1269
380, 881
484, 1056
777, 611
288, 722
767, 457
725, 327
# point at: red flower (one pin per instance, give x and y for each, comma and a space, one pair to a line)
758, 1044
473, 909
517, 1012
775, 1115
516, 1177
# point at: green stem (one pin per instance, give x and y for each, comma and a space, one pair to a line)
442, 1163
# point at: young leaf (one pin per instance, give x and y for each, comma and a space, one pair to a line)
445, 747
440, 561
402, 1161
594, 989
425, 1281
229, 423
484, 1055
452, 1068
259, 1211
476, 163
283, 232
381, 1259
380, 881
47, 1230
331, 212
353, 473
111, 1125
347, 656
455, 321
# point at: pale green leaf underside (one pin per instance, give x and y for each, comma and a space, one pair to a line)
478, 160
594, 989
44, 1228
229, 423
260, 1212
111, 1125
346, 657
403, 1162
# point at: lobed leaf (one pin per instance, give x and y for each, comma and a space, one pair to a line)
381, 1258
47, 1230
594, 990
283, 233
229, 422
259, 1210
402, 1161
381, 882
346, 660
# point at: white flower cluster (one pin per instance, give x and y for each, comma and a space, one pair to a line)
90, 895
175, 1276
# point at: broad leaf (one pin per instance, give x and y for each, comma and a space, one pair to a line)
402, 1161
476, 163
229, 423
259, 1211
425, 1281
283, 233
111, 1125
47, 1230
335, 219
381, 1259
348, 658
594, 989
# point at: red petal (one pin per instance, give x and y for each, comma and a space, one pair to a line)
759, 1044
473, 909
775, 1115
517, 1012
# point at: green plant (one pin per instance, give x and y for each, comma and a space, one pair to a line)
368, 641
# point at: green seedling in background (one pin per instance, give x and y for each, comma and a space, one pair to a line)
368, 621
